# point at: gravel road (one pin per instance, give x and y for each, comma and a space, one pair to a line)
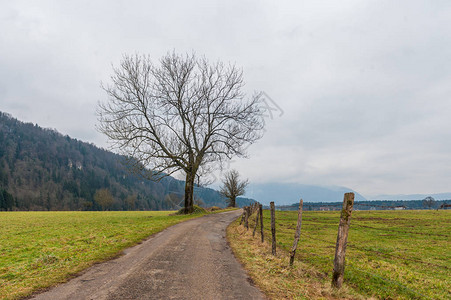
190, 260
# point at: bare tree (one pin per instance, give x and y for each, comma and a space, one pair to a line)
131, 202
233, 186
185, 114
429, 202
104, 198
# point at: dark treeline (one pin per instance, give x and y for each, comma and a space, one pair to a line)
369, 205
40, 169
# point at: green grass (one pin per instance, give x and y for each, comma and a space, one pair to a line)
40, 249
274, 276
390, 254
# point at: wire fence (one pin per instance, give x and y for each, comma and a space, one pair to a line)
377, 254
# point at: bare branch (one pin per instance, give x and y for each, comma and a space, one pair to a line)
233, 186
185, 114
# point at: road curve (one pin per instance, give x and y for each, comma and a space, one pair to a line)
190, 260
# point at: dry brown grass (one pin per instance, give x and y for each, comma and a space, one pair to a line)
213, 208
274, 276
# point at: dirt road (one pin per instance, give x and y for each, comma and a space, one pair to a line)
190, 260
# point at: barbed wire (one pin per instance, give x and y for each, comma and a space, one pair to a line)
325, 259
397, 256
380, 254
339, 204
376, 205
397, 231
354, 224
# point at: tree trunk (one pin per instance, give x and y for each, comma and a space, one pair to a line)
233, 202
189, 193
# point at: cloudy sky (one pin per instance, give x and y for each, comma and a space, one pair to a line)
363, 87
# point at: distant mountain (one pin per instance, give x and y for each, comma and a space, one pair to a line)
288, 193
438, 196
40, 169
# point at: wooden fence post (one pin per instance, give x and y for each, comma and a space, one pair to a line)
242, 216
246, 218
260, 212
256, 223
273, 227
342, 240
297, 234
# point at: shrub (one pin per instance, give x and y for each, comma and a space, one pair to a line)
197, 210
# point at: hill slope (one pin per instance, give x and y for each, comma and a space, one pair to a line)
40, 169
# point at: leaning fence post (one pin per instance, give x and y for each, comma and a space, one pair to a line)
246, 217
297, 234
342, 240
242, 216
260, 212
273, 227
256, 223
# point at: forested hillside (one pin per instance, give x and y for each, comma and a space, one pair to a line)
40, 169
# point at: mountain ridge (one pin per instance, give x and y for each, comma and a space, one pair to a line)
288, 193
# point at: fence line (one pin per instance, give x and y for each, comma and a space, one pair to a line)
338, 204
352, 246
397, 231
357, 224
398, 257
256, 207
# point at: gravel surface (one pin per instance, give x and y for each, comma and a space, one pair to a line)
190, 260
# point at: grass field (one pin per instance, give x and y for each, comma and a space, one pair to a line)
390, 255
40, 249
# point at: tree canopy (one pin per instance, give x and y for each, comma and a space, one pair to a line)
233, 186
185, 114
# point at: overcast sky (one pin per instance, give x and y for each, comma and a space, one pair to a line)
364, 87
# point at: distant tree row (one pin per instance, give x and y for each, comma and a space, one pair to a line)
427, 203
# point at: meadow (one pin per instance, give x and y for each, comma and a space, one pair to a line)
390, 255
41, 249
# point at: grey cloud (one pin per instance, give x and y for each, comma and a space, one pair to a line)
364, 85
